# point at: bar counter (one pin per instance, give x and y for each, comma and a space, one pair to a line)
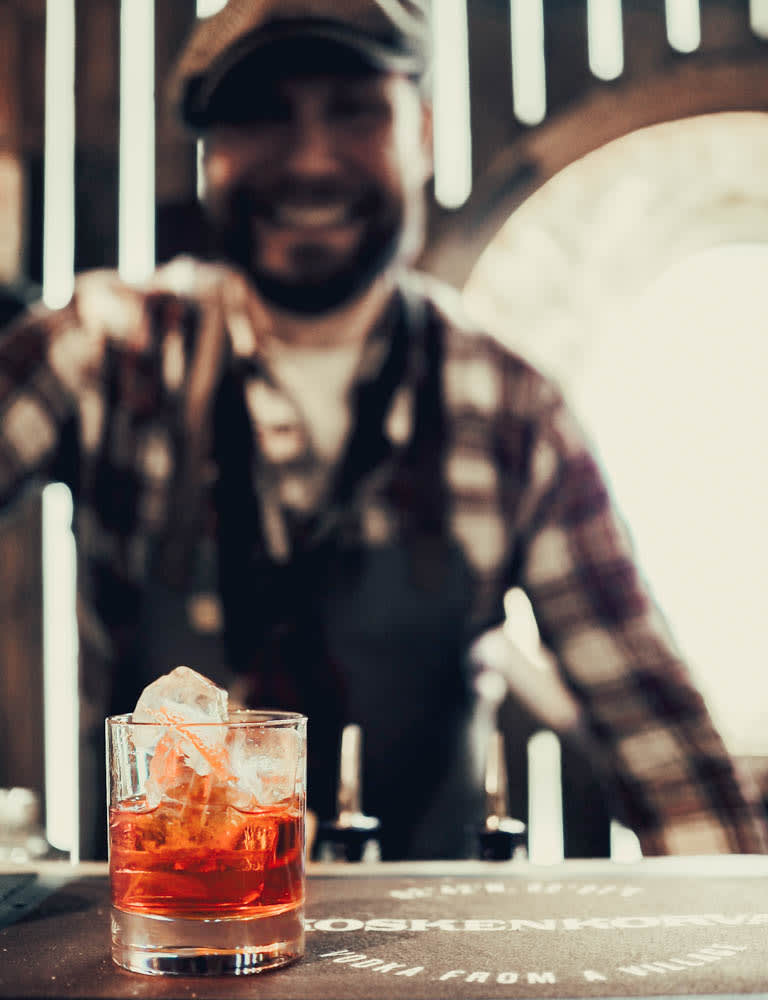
666, 927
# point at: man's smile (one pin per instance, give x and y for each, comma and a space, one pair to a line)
313, 216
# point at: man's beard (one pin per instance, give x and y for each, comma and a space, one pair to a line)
316, 289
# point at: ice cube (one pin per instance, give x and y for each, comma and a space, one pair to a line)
182, 700
183, 695
264, 765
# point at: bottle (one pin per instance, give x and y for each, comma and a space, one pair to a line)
351, 836
500, 836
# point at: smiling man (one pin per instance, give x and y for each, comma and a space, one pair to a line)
296, 468
321, 190
317, 143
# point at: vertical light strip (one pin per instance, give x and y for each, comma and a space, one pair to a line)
59, 163
200, 174
605, 38
204, 8
60, 690
683, 24
625, 845
137, 139
453, 131
758, 17
529, 83
545, 799
60, 659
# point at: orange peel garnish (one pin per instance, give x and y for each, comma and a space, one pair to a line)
165, 761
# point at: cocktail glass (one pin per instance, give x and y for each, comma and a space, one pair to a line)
206, 843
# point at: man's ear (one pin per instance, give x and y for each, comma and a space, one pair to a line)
427, 140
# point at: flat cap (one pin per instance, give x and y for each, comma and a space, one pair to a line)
384, 34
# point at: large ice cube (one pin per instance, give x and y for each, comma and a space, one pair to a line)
183, 695
178, 702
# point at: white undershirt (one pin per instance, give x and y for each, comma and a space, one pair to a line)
318, 379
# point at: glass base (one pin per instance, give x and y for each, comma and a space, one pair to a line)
183, 946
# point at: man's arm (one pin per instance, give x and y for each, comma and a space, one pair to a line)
53, 363
36, 403
52, 370
677, 784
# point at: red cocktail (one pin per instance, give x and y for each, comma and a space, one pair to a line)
199, 867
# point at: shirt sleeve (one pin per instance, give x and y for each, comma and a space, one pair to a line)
64, 374
38, 403
677, 786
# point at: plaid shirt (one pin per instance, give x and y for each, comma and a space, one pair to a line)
455, 438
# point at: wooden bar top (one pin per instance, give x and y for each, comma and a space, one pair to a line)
668, 927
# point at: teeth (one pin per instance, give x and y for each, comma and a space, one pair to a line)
310, 217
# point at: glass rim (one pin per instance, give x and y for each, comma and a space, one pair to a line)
238, 718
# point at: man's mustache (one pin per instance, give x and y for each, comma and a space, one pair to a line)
252, 200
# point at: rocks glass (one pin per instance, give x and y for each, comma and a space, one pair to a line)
206, 843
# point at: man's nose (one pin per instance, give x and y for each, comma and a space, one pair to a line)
313, 149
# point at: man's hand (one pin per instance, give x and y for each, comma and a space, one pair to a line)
140, 319
164, 344
232, 323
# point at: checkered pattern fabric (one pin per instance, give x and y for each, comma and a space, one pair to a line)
504, 471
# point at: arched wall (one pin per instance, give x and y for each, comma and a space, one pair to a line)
687, 88
564, 267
